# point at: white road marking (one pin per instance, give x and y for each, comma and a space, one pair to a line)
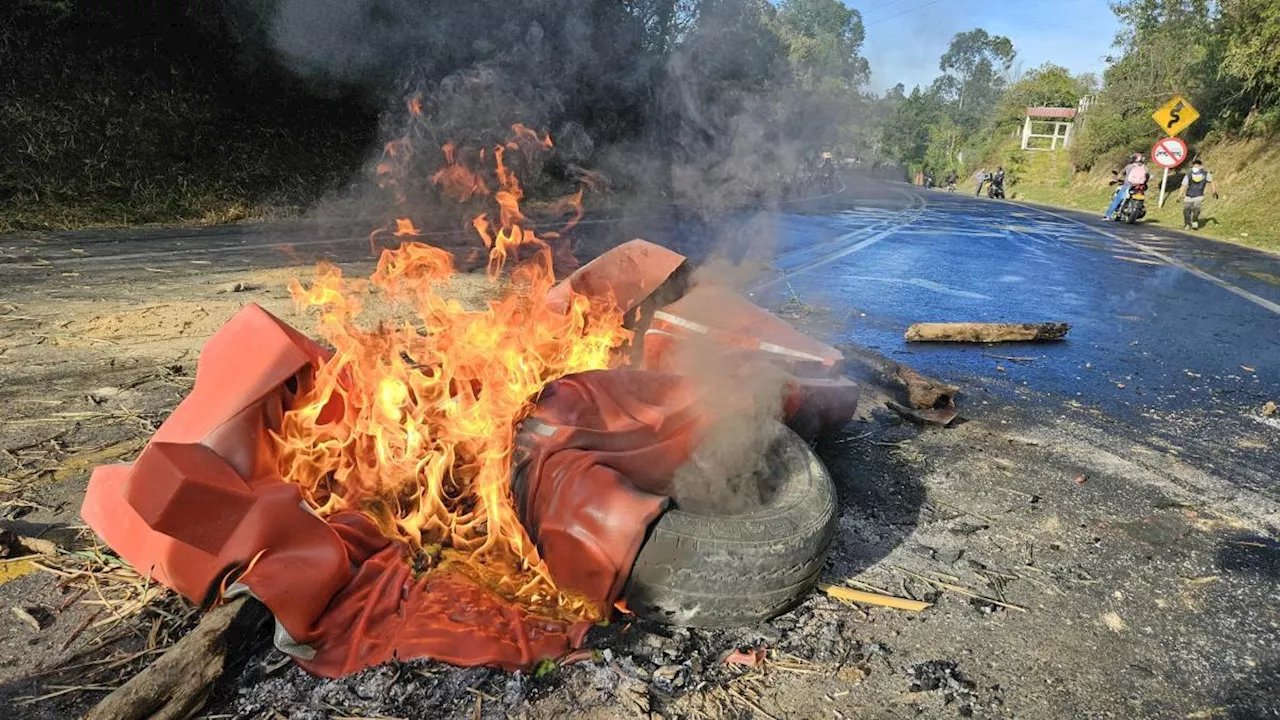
926, 284
1255, 299
1140, 261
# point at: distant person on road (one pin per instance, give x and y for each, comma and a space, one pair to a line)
952, 176
1192, 194
997, 182
1135, 173
981, 177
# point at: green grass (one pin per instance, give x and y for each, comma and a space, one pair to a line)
1248, 213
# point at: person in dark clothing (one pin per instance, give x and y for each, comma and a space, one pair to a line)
996, 189
952, 176
1192, 196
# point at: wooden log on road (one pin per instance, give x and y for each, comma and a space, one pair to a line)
973, 332
927, 399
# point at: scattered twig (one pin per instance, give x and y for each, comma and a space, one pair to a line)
961, 590
874, 598
64, 690
1012, 358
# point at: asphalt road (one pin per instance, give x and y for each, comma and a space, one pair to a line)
1151, 596
1173, 336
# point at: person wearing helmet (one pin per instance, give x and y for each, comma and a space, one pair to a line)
1192, 195
1135, 173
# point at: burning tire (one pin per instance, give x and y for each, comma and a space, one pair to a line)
707, 570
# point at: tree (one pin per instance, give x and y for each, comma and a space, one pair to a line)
906, 134
1252, 57
824, 43
1167, 48
974, 74
1046, 86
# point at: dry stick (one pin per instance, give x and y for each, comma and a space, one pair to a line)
79, 629
1011, 358
64, 691
873, 598
178, 683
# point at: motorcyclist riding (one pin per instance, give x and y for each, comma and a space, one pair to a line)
827, 172
952, 176
1135, 173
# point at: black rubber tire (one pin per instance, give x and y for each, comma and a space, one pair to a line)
708, 571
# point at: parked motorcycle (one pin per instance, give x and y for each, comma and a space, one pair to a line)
1134, 206
995, 190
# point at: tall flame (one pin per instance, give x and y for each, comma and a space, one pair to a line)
412, 422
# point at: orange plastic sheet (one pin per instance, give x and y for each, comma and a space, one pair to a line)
204, 512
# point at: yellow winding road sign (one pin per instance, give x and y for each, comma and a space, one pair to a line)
1175, 116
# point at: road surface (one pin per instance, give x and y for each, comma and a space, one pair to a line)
1124, 477
1175, 336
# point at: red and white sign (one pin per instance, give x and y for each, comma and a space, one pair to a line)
1169, 152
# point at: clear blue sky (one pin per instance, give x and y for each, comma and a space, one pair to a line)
905, 38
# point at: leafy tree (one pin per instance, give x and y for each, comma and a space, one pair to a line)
974, 74
1046, 86
824, 43
1252, 58
1167, 47
905, 134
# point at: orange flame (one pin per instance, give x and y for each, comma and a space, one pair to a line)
457, 181
412, 421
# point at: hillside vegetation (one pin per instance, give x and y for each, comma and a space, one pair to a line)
1222, 55
1247, 213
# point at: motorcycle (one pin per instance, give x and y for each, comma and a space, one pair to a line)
1134, 206
995, 190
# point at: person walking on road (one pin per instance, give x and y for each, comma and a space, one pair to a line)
981, 177
1135, 173
1192, 195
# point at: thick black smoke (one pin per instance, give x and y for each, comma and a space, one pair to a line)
668, 109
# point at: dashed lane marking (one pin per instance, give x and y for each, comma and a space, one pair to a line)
922, 283
1140, 261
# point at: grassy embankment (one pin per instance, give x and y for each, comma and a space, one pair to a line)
1248, 213
105, 122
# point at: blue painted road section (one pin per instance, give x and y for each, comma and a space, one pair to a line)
1174, 336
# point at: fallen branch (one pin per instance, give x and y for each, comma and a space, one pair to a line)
178, 683
922, 390
867, 598
973, 332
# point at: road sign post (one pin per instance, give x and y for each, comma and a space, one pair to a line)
1168, 153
